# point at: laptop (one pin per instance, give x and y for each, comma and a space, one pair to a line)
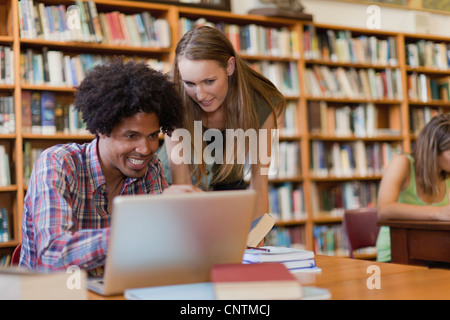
158, 240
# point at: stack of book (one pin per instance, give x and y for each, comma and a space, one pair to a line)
255, 282
295, 260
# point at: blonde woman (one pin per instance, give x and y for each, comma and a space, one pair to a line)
417, 186
220, 91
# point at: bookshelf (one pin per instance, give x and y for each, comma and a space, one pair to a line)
377, 112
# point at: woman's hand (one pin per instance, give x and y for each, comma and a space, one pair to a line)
181, 188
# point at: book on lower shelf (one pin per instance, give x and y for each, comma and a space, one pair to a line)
5, 234
5, 172
254, 282
7, 115
293, 259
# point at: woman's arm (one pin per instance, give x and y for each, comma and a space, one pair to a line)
259, 180
395, 179
180, 171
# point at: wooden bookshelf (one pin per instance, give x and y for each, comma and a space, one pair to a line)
400, 114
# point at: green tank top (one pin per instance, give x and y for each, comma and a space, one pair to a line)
409, 196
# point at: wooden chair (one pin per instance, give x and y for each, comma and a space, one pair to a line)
361, 228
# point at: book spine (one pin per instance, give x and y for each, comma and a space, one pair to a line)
48, 125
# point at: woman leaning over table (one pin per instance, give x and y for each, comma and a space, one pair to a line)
221, 91
417, 186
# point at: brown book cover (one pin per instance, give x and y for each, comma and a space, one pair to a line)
255, 281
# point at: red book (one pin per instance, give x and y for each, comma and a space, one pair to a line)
254, 281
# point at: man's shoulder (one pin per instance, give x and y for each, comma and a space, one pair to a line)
65, 152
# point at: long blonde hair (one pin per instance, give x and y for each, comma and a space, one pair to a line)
207, 43
433, 139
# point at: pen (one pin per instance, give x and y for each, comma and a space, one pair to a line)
261, 249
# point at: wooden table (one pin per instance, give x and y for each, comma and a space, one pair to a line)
419, 242
346, 279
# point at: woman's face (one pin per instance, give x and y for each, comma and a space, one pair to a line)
205, 81
444, 161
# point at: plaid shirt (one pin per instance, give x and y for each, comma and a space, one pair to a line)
65, 218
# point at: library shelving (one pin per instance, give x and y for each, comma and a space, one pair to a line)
355, 97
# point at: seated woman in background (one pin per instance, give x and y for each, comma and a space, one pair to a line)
416, 186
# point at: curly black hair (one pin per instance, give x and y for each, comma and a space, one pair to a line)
117, 90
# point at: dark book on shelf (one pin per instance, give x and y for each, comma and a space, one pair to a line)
5, 234
26, 111
36, 112
48, 125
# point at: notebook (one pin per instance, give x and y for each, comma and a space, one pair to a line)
159, 240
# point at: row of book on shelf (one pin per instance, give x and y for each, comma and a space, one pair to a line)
292, 237
424, 88
288, 127
30, 155
427, 53
284, 75
419, 117
252, 39
82, 22
285, 162
6, 65
43, 112
330, 240
5, 261
286, 202
7, 115
67, 70
348, 159
343, 46
365, 83
5, 171
331, 200
360, 120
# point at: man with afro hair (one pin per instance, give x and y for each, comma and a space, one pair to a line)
66, 215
